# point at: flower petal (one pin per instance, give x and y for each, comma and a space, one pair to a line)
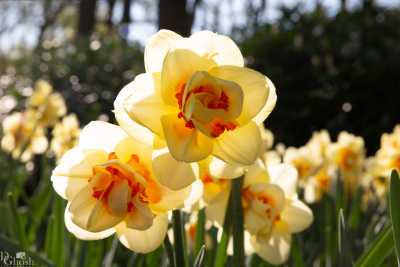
269, 106
118, 198
140, 88
143, 241
173, 174
157, 47
239, 146
74, 170
170, 199
256, 174
81, 233
91, 214
185, 144
101, 135
297, 215
219, 47
179, 65
285, 176
141, 217
255, 87
220, 169
215, 211
274, 249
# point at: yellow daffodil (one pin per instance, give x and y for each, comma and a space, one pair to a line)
21, 137
112, 184
304, 161
48, 105
197, 96
271, 209
348, 154
320, 183
65, 135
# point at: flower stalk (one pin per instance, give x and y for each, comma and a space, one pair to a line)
179, 239
237, 223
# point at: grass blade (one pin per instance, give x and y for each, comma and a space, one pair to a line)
378, 250
199, 261
17, 222
296, 254
345, 258
394, 208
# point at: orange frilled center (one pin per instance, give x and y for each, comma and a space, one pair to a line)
346, 159
113, 174
248, 196
218, 126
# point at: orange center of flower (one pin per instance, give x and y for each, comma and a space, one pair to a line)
109, 175
269, 204
346, 159
303, 167
221, 102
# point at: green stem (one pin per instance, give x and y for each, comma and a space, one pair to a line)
170, 251
181, 259
237, 225
17, 223
199, 241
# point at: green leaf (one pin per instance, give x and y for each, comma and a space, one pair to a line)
345, 258
11, 247
199, 261
58, 233
355, 211
394, 207
378, 250
18, 226
200, 229
237, 223
181, 258
94, 254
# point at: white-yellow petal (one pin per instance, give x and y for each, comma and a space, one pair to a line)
274, 249
141, 217
219, 47
101, 135
144, 241
221, 169
215, 211
91, 214
171, 173
239, 146
118, 198
254, 85
256, 174
74, 170
179, 65
170, 199
269, 106
127, 97
82, 233
297, 216
157, 47
185, 144
285, 176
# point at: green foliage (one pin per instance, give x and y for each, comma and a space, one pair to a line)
394, 206
319, 62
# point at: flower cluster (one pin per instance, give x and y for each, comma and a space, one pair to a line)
186, 127
25, 133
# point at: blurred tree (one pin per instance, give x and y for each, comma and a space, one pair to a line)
339, 73
87, 17
177, 15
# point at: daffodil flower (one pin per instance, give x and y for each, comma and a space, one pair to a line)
197, 96
271, 209
112, 184
21, 137
65, 135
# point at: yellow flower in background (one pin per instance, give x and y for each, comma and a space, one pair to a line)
271, 209
49, 106
318, 144
113, 184
305, 162
21, 137
65, 135
197, 96
320, 183
348, 154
